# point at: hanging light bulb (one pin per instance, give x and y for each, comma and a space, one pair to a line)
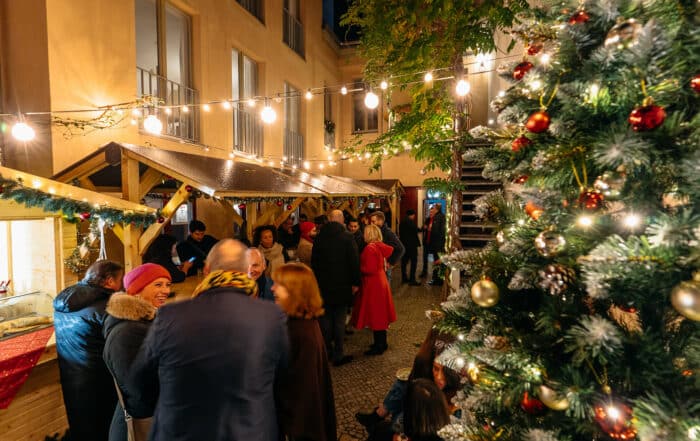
463, 87
632, 221
133, 121
185, 109
226, 105
168, 111
268, 114
308, 94
344, 90
371, 100
231, 155
251, 102
23, 132
206, 107
428, 77
307, 165
271, 163
584, 221
136, 112
321, 166
383, 85
152, 125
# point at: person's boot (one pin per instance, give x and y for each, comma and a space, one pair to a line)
436, 281
382, 345
369, 420
376, 348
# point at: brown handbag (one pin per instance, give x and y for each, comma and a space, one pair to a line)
137, 428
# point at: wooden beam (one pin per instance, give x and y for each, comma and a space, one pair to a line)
130, 192
148, 180
118, 231
86, 183
85, 169
285, 214
268, 215
228, 206
180, 197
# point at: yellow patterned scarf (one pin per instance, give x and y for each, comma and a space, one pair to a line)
220, 278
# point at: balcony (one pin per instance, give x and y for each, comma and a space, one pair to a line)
255, 7
179, 124
292, 32
247, 132
293, 147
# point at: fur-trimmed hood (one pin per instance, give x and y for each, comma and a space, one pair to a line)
127, 307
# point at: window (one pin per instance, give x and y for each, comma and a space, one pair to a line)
293, 139
255, 7
29, 264
247, 125
328, 123
364, 119
163, 63
292, 29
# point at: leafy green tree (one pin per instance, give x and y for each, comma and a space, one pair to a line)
581, 321
400, 40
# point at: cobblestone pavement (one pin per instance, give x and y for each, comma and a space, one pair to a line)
361, 384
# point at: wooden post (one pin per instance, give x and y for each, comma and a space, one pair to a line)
149, 179
130, 192
179, 197
285, 214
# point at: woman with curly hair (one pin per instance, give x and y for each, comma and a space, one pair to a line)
305, 404
265, 239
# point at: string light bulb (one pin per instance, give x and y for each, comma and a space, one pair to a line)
185, 109
251, 102
226, 105
428, 77
22, 131
307, 165
153, 125
545, 58
584, 221
206, 107
136, 112
371, 100
268, 114
463, 87
309, 95
383, 85
632, 221
168, 111
343, 90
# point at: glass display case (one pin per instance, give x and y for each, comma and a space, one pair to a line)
25, 313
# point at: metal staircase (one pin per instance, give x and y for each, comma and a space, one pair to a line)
474, 233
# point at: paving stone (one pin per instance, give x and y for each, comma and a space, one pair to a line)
362, 384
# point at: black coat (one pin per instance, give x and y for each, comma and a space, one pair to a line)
124, 330
88, 389
199, 250
336, 264
408, 233
216, 358
176, 274
390, 238
436, 244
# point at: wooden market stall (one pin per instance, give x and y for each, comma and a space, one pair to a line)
40, 253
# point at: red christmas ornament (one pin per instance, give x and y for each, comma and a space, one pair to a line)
520, 143
534, 48
84, 216
188, 188
531, 405
648, 117
695, 83
289, 206
627, 307
161, 220
590, 200
521, 179
241, 206
615, 419
279, 203
579, 17
533, 210
521, 69
538, 122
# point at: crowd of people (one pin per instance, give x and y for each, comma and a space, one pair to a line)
247, 357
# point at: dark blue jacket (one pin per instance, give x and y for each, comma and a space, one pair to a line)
265, 288
216, 358
88, 389
390, 238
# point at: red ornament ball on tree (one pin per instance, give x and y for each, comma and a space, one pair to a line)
289, 206
188, 188
615, 419
84, 216
521, 179
279, 203
241, 206
521, 69
695, 83
579, 17
590, 200
647, 118
520, 143
531, 405
161, 220
534, 48
538, 122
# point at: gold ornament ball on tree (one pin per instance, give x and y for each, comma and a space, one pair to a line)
549, 243
686, 298
551, 399
624, 34
485, 293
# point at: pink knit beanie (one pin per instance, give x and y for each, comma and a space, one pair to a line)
137, 279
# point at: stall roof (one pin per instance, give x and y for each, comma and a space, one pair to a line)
388, 185
235, 178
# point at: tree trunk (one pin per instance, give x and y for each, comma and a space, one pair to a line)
460, 125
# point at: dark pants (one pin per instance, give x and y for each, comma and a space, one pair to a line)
412, 257
333, 329
427, 250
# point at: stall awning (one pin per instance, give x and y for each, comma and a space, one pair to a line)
228, 177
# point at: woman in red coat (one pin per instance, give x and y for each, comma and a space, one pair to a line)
374, 307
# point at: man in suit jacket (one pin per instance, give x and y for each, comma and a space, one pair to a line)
216, 357
433, 240
390, 238
408, 233
336, 264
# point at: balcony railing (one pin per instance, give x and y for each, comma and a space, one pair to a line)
255, 7
247, 132
179, 123
293, 32
293, 147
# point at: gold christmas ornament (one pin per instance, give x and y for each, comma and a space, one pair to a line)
549, 243
550, 398
610, 184
685, 298
485, 293
624, 34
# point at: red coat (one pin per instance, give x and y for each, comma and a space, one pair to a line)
374, 306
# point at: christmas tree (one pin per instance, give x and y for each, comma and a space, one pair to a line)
580, 321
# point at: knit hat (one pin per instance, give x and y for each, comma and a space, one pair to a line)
137, 279
305, 228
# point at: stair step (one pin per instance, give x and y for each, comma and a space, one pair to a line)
486, 237
478, 224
